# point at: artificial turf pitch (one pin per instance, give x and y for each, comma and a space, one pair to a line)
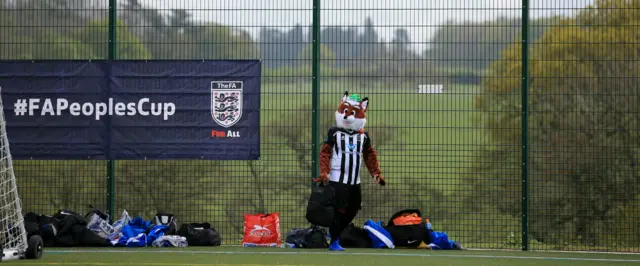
289, 257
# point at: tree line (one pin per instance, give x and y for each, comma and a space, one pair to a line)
72, 29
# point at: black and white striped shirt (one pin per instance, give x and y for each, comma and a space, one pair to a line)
346, 157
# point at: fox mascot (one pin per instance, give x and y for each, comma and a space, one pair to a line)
341, 156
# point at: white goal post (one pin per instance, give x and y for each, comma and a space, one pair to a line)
13, 236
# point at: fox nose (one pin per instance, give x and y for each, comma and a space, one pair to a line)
349, 118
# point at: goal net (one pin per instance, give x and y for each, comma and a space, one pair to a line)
13, 236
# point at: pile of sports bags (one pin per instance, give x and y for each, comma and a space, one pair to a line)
70, 229
405, 228
263, 230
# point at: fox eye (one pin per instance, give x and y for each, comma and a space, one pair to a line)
353, 112
345, 110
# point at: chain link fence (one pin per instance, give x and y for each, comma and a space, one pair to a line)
446, 85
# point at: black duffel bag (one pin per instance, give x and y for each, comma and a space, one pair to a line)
355, 237
320, 208
200, 234
43, 225
313, 237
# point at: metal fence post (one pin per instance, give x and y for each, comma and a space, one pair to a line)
525, 114
111, 163
315, 90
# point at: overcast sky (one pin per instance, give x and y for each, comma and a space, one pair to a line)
420, 17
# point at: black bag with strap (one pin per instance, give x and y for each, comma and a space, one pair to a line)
313, 237
320, 208
411, 235
200, 234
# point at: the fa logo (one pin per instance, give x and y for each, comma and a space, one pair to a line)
226, 102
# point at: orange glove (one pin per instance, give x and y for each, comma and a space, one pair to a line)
380, 180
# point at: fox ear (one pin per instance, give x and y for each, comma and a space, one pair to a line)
346, 96
365, 104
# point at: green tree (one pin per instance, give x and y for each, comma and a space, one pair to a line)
471, 44
25, 40
327, 57
149, 25
583, 127
400, 45
55, 46
369, 41
213, 41
61, 16
96, 35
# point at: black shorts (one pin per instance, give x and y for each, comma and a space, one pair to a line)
347, 196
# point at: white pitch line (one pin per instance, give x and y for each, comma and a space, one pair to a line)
347, 254
558, 251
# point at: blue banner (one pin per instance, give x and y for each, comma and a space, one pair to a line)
132, 109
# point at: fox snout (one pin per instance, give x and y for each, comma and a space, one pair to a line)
349, 118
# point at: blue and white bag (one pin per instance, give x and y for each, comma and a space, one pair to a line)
380, 238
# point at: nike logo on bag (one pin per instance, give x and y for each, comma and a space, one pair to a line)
412, 241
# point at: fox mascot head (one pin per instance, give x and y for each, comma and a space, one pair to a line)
352, 112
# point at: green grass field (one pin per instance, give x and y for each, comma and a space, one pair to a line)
286, 257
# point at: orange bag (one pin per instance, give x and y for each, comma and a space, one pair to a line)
261, 230
411, 219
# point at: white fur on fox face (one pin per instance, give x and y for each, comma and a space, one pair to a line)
351, 122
